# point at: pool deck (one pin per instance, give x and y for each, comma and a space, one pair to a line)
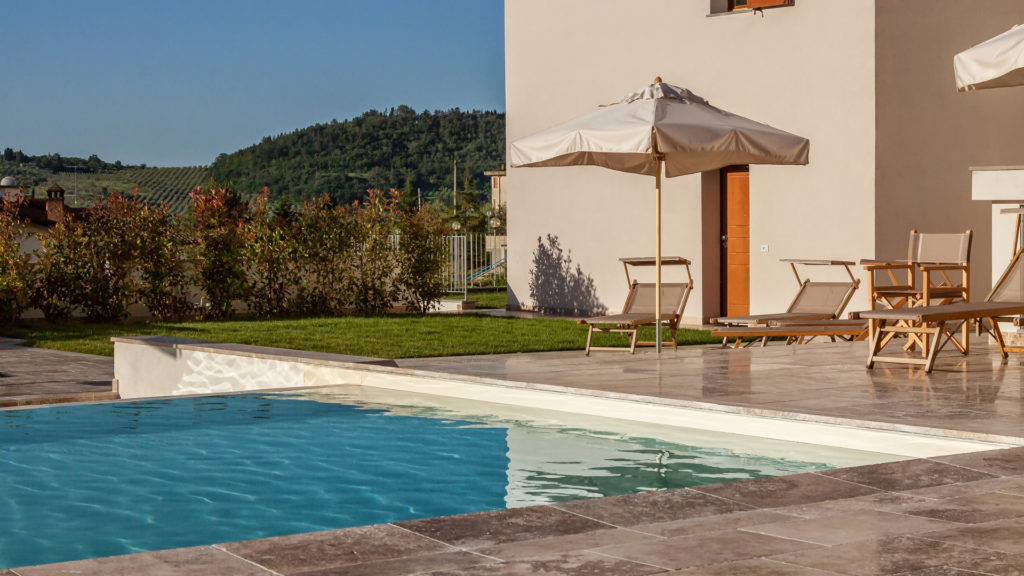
948, 515
34, 376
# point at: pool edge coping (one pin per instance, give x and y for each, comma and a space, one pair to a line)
390, 367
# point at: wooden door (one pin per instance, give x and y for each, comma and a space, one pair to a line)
735, 241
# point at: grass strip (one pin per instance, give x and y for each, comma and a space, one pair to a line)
401, 336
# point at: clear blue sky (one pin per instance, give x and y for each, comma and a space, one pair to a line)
176, 83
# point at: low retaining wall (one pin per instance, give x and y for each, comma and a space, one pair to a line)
153, 366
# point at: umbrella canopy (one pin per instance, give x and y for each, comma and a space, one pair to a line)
662, 128
692, 135
995, 63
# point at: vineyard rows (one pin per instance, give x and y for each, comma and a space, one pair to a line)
167, 185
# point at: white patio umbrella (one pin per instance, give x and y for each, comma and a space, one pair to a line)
995, 63
662, 128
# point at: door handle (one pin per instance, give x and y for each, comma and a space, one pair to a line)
725, 241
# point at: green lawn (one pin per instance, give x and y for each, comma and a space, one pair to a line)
403, 336
496, 298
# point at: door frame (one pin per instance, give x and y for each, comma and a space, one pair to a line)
724, 231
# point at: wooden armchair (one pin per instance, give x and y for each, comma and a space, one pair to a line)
936, 271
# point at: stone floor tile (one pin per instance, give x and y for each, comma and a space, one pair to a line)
1006, 462
1003, 484
906, 475
971, 509
457, 561
886, 556
883, 501
786, 490
996, 563
851, 527
1002, 536
500, 526
705, 549
756, 567
569, 564
318, 550
559, 544
199, 560
709, 524
977, 393
940, 571
648, 507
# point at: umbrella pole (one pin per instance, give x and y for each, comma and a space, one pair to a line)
657, 257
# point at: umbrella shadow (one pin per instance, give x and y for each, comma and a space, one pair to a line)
557, 285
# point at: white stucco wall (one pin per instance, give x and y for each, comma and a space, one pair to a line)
807, 69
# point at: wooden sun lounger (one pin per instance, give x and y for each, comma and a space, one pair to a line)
795, 331
638, 311
931, 321
814, 302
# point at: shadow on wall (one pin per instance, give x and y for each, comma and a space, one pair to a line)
558, 286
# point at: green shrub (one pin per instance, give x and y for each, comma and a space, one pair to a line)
217, 215
59, 272
422, 256
268, 255
324, 239
375, 289
164, 273
108, 255
15, 279
320, 260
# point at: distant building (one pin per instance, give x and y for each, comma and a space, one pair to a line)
497, 188
10, 190
40, 214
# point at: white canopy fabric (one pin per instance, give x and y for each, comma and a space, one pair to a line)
995, 63
660, 128
693, 136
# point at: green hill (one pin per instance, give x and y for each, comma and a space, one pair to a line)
395, 149
399, 148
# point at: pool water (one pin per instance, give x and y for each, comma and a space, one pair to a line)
82, 481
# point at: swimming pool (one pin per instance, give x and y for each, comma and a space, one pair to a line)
83, 481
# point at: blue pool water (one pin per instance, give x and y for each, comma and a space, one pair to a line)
98, 480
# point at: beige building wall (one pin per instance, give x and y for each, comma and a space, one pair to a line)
31, 243
808, 69
929, 134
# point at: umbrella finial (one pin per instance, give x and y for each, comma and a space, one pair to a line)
657, 79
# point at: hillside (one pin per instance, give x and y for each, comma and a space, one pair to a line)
170, 185
395, 149
399, 148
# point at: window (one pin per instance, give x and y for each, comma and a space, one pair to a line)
728, 6
751, 4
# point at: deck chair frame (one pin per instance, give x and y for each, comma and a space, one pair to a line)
932, 321
749, 323
630, 321
937, 284
795, 332
1018, 252
930, 324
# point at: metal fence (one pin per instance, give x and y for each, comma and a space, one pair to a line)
476, 261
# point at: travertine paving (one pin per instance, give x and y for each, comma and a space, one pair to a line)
976, 396
31, 376
950, 515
